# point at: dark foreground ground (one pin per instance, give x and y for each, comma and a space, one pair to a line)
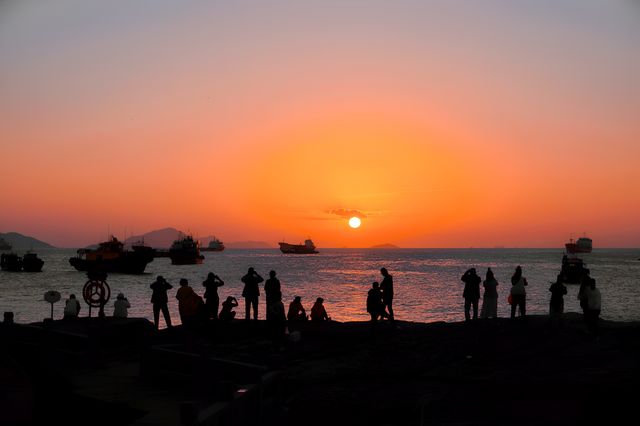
486, 373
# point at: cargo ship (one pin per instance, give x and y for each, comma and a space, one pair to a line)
583, 245
214, 245
307, 248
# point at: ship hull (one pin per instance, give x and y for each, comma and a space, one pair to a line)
123, 265
211, 249
296, 249
182, 259
575, 248
32, 265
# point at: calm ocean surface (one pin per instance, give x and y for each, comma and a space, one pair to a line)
426, 281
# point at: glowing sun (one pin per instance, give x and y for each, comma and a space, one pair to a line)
355, 222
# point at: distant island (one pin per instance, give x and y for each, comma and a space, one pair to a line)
23, 242
385, 246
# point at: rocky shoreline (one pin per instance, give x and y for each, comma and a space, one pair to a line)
500, 371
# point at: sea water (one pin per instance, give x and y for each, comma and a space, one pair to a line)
427, 283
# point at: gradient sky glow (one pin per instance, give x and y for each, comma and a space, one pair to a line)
445, 123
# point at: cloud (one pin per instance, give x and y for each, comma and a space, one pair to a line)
346, 213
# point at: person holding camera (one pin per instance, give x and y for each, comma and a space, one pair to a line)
251, 292
227, 313
211, 297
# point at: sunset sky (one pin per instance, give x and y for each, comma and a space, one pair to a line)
441, 124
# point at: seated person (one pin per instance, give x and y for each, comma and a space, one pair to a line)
72, 307
318, 313
121, 306
227, 313
296, 311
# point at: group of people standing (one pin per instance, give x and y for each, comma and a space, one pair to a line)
589, 296
194, 308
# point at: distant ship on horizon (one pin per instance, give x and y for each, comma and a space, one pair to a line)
185, 251
307, 248
583, 245
214, 245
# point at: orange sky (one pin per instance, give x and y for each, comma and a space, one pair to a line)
444, 125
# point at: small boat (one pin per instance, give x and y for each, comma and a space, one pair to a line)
31, 262
583, 245
5, 245
307, 248
214, 245
10, 262
110, 256
573, 269
185, 251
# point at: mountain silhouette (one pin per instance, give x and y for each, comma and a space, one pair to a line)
23, 242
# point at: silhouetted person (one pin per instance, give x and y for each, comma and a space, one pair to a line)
556, 304
296, 311
375, 306
188, 303
121, 306
490, 296
211, 296
594, 305
471, 292
318, 313
251, 292
272, 290
518, 293
71, 307
276, 320
227, 313
387, 292
160, 301
585, 283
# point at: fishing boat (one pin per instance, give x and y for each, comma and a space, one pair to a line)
583, 245
185, 251
31, 262
111, 256
10, 262
214, 245
307, 248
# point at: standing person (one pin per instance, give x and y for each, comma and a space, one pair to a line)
160, 300
121, 306
71, 307
318, 312
594, 305
227, 313
211, 296
375, 306
188, 303
272, 291
251, 293
556, 304
471, 293
387, 293
585, 283
276, 320
518, 293
490, 296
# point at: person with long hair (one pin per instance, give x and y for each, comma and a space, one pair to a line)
518, 293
